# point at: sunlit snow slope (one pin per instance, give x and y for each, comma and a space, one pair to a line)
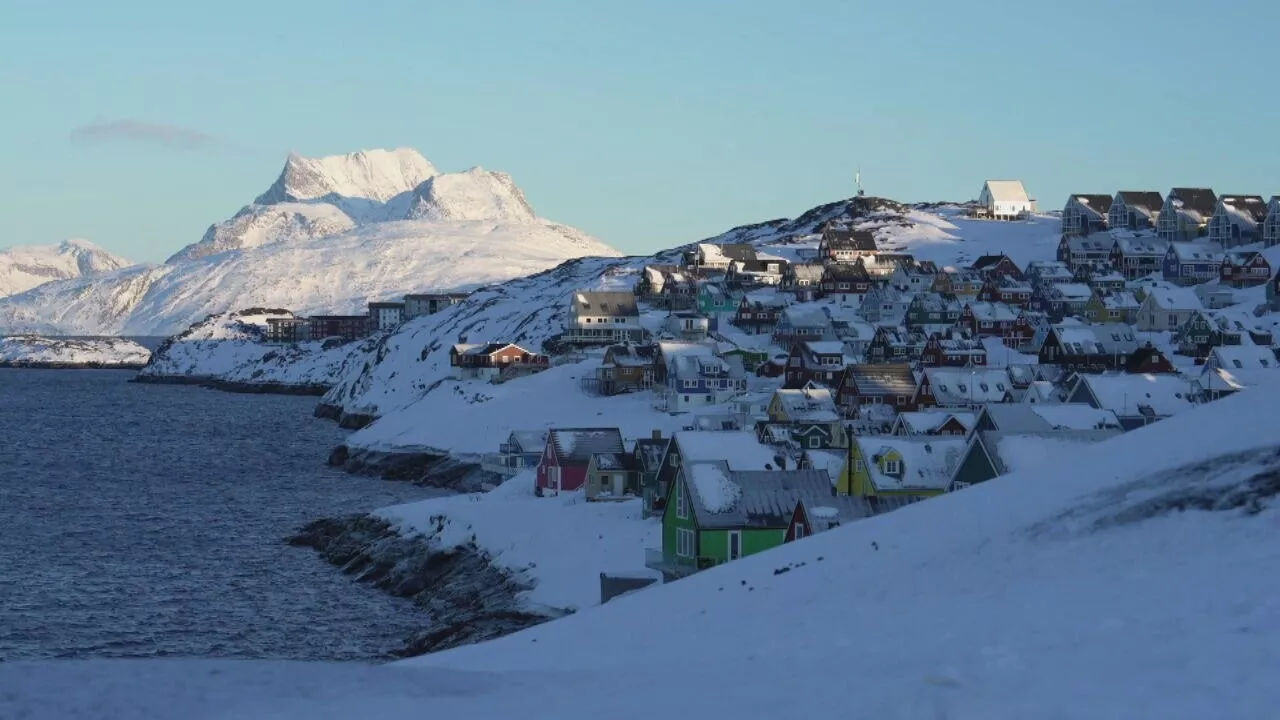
1132, 582
28, 266
330, 235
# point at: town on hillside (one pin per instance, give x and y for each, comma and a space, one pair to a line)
848, 379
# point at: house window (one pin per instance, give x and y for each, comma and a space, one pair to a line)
684, 542
800, 530
902, 399
682, 510
673, 460
815, 442
892, 467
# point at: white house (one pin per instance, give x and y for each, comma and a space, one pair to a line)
1271, 228
690, 326
1238, 220
1085, 214
1166, 307
1135, 210
1006, 199
603, 317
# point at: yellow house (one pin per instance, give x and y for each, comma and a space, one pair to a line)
897, 466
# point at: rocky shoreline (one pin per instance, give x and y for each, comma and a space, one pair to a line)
422, 468
468, 599
38, 365
345, 420
234, 386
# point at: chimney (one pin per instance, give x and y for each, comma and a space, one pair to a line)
657, 435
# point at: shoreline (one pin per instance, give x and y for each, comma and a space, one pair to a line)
234, 386
35, 365
468, 599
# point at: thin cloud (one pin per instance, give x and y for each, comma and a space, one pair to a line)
174, 137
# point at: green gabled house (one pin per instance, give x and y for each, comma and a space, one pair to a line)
713, 298
715, 515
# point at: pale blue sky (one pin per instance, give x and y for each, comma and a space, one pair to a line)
648, 124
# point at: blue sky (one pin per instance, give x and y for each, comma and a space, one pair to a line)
647, 124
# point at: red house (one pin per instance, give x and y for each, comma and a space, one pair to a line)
956, 350
564, 461
1245, 269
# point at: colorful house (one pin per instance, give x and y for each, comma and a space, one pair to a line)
714, 298
1186, 214
1191, 263
1135, 210
714, 514
612, 476
567, 456
893, 468
809, 413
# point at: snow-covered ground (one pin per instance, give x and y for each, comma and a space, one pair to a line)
331, 235
37, 351
558, 545
27, 266
228, 347
1129, 582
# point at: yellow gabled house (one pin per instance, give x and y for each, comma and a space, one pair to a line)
892, 466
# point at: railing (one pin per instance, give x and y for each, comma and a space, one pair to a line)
675, 565
503, 465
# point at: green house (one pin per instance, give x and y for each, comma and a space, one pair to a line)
713, 298
714, 515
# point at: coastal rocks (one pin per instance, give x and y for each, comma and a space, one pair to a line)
235, 386
423, 468
34, 351
346, 420
468, 599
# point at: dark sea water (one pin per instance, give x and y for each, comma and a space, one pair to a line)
148, 520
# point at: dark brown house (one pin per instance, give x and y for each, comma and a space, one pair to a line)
892, 384
990, 266
346, 327
757, 317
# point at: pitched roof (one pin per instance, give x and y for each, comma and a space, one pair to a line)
848, 239
1141, 245
826, 512
606, 303
650, 452
882, 378
724, 498
741, 449
807, 271
1173, 297
628, 355
1130, 395
620, 461
1014, 451
1007, 191
1097, 339
1193, 252
1246, 210
987, 261
1046, 417
968, 385
1201, 201
808, 404
1100, 204
530, 441
1244, 357
575, 446
928, 463
924, 421
1149, 200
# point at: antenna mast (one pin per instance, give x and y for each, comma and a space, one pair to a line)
857, 181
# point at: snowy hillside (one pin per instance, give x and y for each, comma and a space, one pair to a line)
228, 348
1128, 583
35, 351
25, 267
329, 236
406, 383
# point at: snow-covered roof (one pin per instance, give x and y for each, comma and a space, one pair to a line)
1123, 300
1007, 191
883, 378
1243, 357
1099, 339
741, 449
1012, 452
808, 271
606, 303
806, 316
825, 347
833, 461
968, 386
723, 498
1228, 380
928, 463
529, 441
925, 421
992, 312
808, 404
1131, 395
1048, 417
1072, 292
1140, 244
1197, 252
614, 461
1173, 297
575, 446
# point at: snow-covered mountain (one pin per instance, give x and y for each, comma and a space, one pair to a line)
1128, 582
329, 235
28, 266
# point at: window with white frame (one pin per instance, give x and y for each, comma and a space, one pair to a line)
684, 542
892, 467
682, 509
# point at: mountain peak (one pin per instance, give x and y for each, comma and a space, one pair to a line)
475, 194
25, 267
376, 175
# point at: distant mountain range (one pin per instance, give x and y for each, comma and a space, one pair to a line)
329, 235
25, 267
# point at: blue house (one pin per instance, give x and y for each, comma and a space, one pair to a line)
697, 377
1192, 263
